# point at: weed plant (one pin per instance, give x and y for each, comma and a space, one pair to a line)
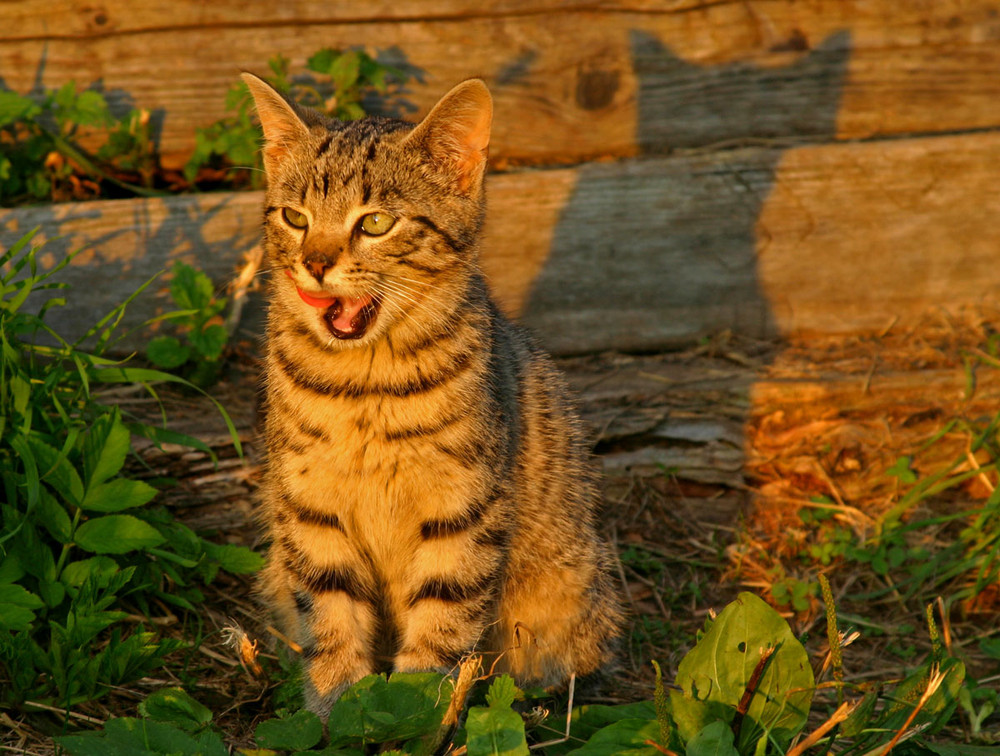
84, 550
746, 689
335, 82
41, 157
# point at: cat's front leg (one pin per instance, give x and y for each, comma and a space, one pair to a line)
338, 651
446, 619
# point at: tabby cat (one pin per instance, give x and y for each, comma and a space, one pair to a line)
428, 491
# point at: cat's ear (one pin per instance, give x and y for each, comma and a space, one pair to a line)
456, 133
282, 125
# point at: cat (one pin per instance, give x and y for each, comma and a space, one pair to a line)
428, 490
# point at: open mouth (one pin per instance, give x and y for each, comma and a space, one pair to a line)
344, 317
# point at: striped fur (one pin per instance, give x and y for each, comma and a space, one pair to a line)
428, 490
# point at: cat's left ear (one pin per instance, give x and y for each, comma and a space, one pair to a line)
456, 133
282, 125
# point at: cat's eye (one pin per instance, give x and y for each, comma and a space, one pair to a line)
294, 218
376, 224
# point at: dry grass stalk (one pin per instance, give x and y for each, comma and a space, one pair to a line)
933, 683
468, 673
843, 712
284, 639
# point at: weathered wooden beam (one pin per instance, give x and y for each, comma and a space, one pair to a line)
644, 253
572, 80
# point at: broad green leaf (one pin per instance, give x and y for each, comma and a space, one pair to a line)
10, 569
322, 60
296, 733
588, 719
117, 495
190, 288
236, 559
210, 342
376, 710
714, 675
715, 740
15, 107
117, 534
54, 518
13, 617
96, 744
990, 646
861, 717
101, 568
345, 69
91, 109
104, 449
175, 706
167, 352
626, 737
52, 593
16, 607
503, 691
496, 730
15, 595
142, 737
57, 471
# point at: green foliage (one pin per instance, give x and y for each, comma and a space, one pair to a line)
715, 674
39, 156
81, 547
199, 322
496, 728
335, 82
725, 703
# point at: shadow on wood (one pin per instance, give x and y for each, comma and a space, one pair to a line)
645, 243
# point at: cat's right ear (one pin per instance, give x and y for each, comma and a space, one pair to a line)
456, 133
282, 125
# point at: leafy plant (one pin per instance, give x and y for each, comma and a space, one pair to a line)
39, 155
199, 321
335, 82
81, 547
746, 688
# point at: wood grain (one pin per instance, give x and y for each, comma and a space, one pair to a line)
643, 253
573, 80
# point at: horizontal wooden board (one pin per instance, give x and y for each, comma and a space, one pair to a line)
573, 80
648, 252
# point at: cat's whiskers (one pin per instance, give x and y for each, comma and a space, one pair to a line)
426, 327
407, 314
419, 300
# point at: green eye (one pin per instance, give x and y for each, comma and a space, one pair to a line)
294, 218
376, 224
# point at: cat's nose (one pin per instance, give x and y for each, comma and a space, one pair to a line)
317, 263
317, 268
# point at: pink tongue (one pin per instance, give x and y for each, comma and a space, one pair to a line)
349, 309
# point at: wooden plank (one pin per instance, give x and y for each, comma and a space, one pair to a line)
573, 80
651, 252
855, 238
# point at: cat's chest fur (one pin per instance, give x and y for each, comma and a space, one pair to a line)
385, 438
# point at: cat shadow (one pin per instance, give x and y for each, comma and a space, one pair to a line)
661, 250
657, 251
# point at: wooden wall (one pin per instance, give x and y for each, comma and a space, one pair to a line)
663, 170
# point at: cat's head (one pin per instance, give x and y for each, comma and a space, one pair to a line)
374, 223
